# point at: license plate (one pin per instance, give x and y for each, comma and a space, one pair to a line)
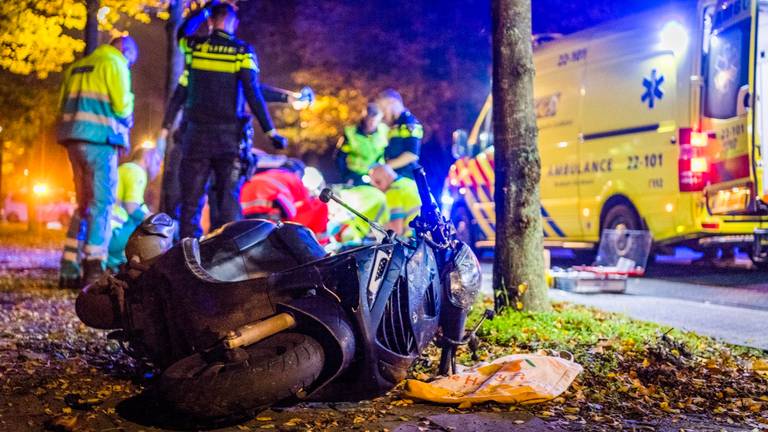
729, 201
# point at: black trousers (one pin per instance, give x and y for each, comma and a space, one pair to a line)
195, 173
209, 151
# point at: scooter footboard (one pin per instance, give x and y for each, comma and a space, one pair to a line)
326, 322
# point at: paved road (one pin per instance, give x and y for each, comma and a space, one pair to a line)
726, 303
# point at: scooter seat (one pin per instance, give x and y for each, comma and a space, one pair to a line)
253, 248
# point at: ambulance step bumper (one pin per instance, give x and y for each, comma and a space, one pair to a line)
726, 239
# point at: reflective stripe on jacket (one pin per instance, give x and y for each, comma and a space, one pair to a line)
96, 99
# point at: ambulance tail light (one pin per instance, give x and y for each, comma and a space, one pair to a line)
693, 165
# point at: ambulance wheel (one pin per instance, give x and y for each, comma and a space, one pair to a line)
760, 265
622, 217
466, 230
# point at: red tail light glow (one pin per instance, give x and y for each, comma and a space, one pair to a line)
693, 165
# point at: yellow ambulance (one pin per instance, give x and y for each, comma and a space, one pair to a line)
653, 122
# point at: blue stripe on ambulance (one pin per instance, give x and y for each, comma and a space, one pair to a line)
551, 222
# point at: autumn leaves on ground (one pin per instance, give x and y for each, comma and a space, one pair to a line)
57, 374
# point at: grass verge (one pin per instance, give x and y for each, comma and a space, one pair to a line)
635, 369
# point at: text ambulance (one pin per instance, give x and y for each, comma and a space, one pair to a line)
651, 122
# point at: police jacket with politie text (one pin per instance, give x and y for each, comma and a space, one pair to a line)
220, 76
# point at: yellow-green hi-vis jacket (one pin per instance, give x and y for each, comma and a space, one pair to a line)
96, 99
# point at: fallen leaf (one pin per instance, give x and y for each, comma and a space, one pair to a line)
62, 423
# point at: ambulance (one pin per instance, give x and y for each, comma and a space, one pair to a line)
653, 122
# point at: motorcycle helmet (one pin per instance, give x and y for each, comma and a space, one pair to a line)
151, 239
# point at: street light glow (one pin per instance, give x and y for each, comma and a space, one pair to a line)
40, 189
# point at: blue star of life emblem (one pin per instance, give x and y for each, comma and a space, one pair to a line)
653, 89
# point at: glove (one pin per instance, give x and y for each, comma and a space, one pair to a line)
307, 95
278, 141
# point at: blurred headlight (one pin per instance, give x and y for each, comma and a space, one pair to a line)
446, 202
466, 278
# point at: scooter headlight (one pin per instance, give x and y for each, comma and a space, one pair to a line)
466, 278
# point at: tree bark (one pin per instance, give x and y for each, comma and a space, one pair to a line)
174, 58
170, 193
91, 32
518, 270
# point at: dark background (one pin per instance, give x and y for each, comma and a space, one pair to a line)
436, 53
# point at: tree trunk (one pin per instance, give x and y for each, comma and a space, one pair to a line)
518, 270
91, 33
170, 193
174, 58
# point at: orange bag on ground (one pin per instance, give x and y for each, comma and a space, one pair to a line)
519, 378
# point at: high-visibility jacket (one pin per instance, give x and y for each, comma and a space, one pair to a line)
96, 99
131, 185
363, 150
366, 199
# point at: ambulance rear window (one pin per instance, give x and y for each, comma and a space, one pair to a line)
726, 70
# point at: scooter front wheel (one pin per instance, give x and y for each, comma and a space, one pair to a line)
275, 369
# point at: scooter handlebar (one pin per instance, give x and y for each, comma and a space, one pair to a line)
427, 201
326, 195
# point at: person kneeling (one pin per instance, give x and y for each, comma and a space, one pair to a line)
130, 210
402, 196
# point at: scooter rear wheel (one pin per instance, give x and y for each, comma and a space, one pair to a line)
274, 369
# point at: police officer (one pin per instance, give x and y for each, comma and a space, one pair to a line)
221, 74
362, 147
171, 199
405, 134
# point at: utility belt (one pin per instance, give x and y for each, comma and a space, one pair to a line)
242, 131
195, 128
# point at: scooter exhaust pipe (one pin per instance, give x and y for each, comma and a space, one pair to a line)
251, 333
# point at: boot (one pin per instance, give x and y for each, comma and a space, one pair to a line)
69, 275
93, 269
70, 282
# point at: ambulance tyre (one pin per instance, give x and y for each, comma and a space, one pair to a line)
622, 216
759, 264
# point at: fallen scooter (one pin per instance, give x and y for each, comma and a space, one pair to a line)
256, 313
